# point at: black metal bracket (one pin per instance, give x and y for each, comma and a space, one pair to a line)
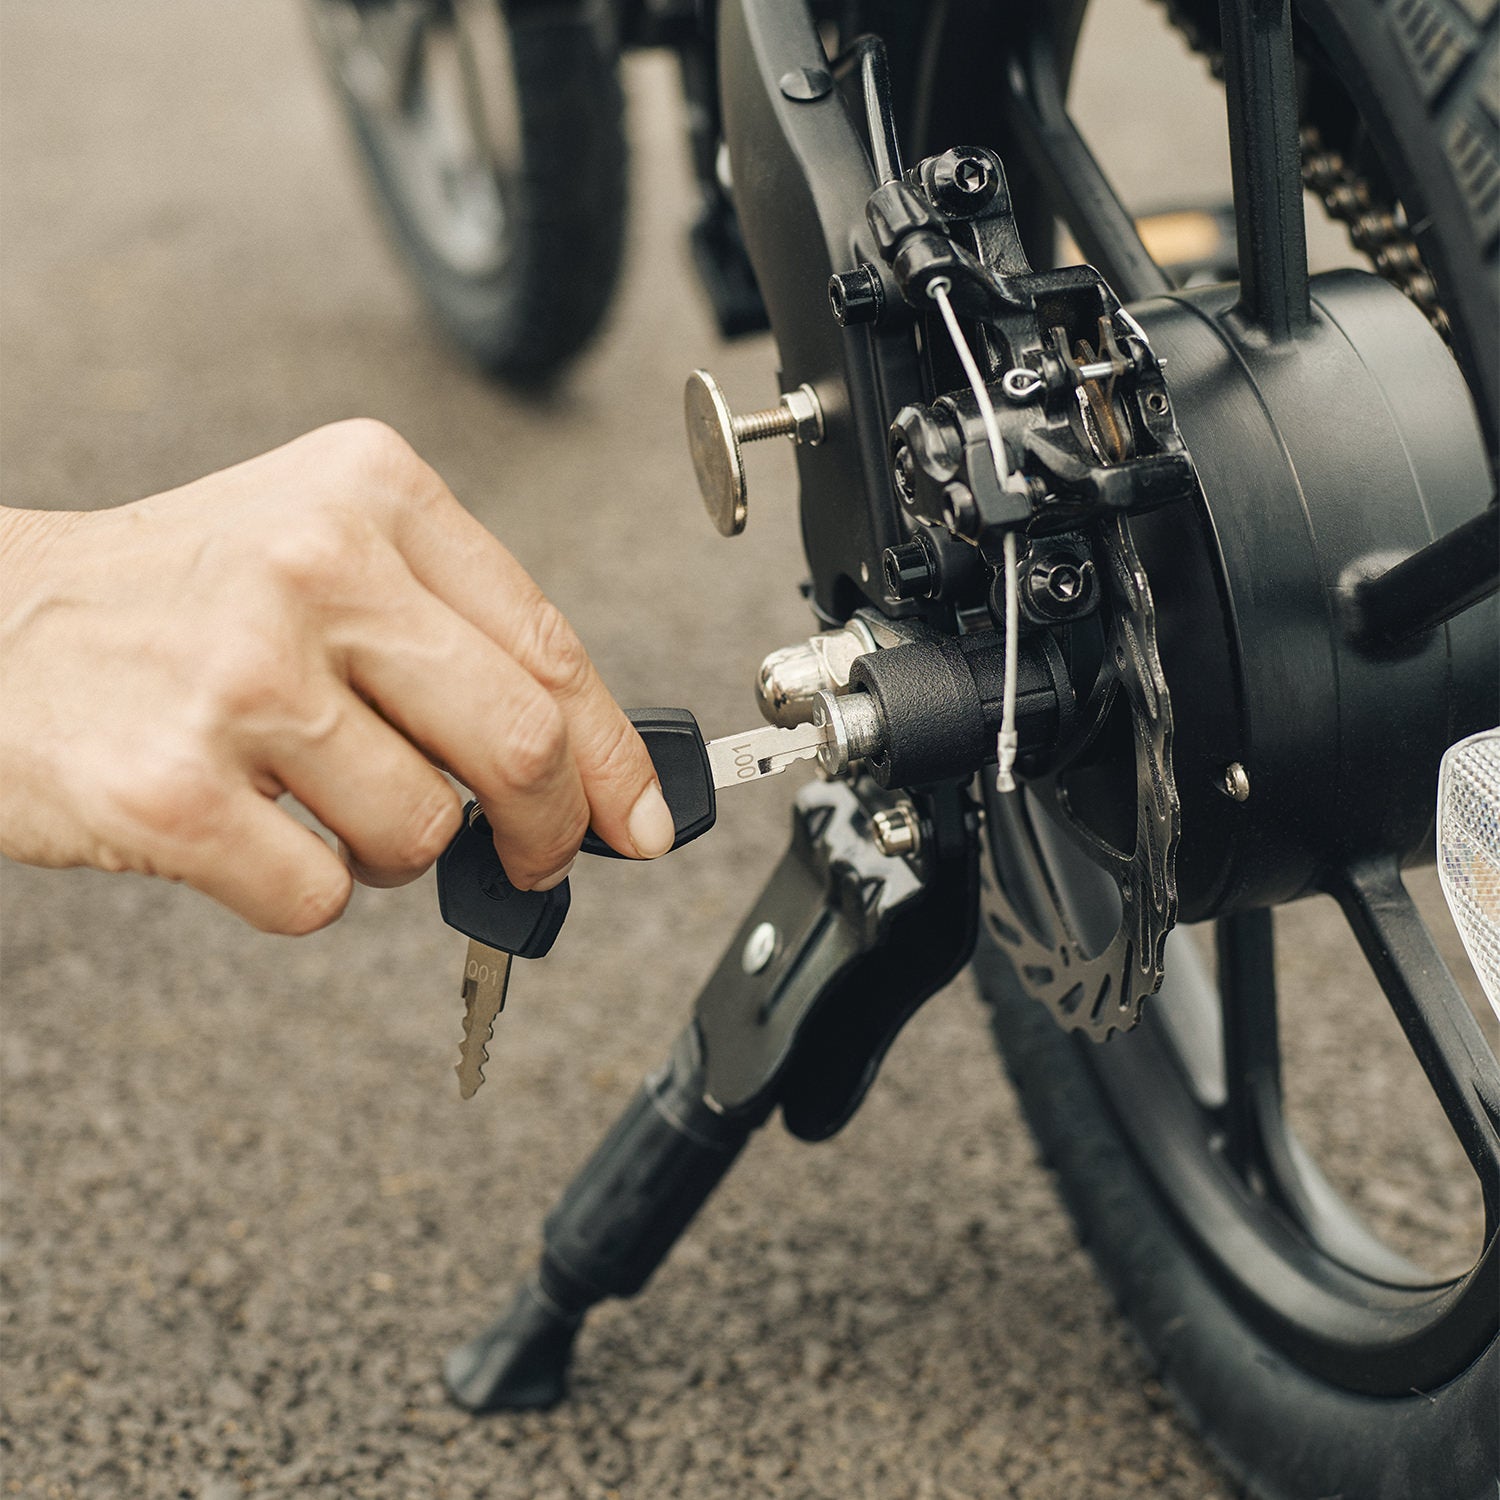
857, 941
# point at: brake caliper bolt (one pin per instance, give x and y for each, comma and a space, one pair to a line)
855, 296
963, 181
1059, 586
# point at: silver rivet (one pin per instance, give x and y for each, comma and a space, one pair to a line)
1236, 782
760, 948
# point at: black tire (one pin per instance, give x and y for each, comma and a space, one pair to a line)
1419, 75
525, 286
1283, 1433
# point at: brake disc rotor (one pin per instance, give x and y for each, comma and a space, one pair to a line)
1100, 991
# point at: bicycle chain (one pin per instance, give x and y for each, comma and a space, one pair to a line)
1376, 226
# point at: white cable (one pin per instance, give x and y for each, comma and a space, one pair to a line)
1009, 741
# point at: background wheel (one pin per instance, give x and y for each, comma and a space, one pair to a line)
1317, 1357
492, 136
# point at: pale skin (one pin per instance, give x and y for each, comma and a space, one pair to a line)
327, 621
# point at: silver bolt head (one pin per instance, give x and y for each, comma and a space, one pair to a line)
760, 948
897, 830
1236, 782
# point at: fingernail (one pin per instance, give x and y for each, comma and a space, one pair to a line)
557, 879
651, 828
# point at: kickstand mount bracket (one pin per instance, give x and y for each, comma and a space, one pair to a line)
857, 940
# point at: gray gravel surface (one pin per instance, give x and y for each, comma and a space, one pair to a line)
244, 1212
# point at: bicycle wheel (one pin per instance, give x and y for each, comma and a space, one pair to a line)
1314, 1358
492, 138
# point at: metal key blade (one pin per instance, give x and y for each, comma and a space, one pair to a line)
486, 975
762, 752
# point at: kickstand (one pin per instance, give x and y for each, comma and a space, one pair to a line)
844, 944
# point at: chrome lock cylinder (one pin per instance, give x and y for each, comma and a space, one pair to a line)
791, 678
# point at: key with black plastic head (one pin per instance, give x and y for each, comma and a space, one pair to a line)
502, 922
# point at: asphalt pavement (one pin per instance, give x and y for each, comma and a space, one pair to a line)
244, 1212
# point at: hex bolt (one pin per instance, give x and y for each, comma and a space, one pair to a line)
855, 296
1064, 583
897, 830
963, 181
1236, 782
715, 434
910, 570
1059, 586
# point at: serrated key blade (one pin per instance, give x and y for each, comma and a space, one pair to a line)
762, 752
486, 976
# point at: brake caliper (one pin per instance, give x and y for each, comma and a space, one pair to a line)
1087, 438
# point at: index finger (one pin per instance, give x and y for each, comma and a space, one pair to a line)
457, 559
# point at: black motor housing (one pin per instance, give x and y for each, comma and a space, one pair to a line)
1321, 462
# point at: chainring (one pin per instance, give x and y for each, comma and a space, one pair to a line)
1097, 992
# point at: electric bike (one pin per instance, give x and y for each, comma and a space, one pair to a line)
1149, 595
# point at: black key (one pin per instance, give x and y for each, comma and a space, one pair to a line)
476, 897
675, 745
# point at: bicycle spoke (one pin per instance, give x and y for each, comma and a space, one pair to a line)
381, 69
1252, 1044
1438, 1023
1261, 98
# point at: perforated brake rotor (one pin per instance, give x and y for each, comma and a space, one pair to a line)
1093, 989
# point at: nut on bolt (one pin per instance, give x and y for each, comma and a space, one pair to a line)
790, 678
855, 296
897, 830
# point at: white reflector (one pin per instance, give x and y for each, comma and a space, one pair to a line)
1468, 838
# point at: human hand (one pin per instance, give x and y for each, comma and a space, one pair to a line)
324, 620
